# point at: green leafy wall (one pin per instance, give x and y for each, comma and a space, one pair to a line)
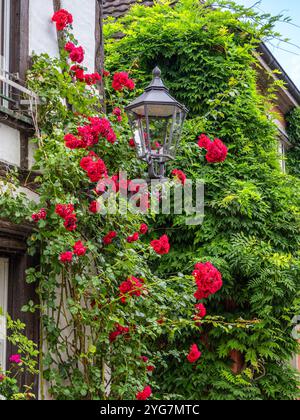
251, 226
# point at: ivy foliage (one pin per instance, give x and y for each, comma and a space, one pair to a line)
251, 226
293, 128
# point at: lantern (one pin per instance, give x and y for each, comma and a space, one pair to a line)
156, 120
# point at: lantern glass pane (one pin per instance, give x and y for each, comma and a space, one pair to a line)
158, 129
175, 132
139, 130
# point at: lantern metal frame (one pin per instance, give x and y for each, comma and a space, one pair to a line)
156, 109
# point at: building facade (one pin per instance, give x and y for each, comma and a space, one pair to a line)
25, 29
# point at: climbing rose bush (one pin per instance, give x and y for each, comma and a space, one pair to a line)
101, 303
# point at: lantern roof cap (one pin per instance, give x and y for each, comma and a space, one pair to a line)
155, 93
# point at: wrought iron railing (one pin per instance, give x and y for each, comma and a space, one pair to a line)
15, 98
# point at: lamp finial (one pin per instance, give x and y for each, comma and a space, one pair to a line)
157, 72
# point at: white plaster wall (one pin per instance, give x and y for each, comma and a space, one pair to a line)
31, 195
31, 151
10, 149
84, 14
42, 31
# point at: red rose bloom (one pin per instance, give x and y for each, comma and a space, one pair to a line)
132, 143
145, 394
121, 81
204, 142
134, 238
66, 257
144, 229
41, 215
208, 280
64, 210
92, 79
79, 249
62, 18
79, 72
70, 223
150, 369
217, 152
69, 46
118, 331
107, 240
94, 207
94, 166
161, 246
179, 175
194, 354
16, 359
201, 311
131, 287
144, 359
72, 142
77, 55
2, 378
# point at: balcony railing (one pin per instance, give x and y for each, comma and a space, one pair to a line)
15, 99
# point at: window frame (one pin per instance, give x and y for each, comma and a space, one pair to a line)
4, 275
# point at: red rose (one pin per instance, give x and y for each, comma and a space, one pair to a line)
118, 331
62, 18
179, 175
117, 112
70, 222
144, 359
131, 287
194, 354
77, 55
107, 240
69, 46
72, 142
64, 210
161, 246
217, 152
121, 80
132, 143
41, 215
204, 141
134, 238
2, 378
94, 166
144, 229
92, 79
66, 257
94, 207
150, 368
79, 72
16, 359
145, 394
208, 280
201, 311
79, 249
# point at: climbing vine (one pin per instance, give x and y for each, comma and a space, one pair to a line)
251, 226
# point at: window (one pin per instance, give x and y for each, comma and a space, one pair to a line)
282, 155
3, 306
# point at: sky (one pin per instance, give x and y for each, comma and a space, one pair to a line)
290, 59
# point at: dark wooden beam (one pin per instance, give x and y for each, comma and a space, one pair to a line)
99, 50
19, 37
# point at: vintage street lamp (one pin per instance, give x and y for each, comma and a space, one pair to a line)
156, 119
